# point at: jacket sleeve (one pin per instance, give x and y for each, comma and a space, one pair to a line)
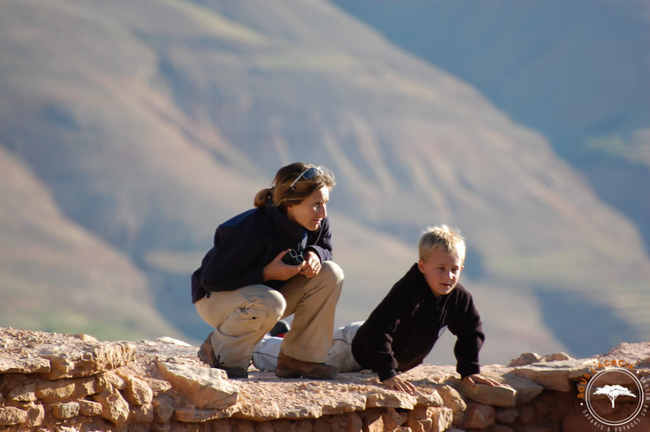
376, 340
468, 329
321, 242
230, 265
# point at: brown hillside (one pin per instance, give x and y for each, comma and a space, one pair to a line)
149, 123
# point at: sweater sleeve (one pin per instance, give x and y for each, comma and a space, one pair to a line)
375, 338
229, 266
468, 329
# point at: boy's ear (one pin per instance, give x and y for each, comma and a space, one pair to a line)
420, 266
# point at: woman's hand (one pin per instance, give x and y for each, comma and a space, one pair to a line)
397, 383
480, 379
311, 265
277, 270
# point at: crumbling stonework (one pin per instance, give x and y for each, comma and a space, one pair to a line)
64, 383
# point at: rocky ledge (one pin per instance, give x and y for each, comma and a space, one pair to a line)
67, 383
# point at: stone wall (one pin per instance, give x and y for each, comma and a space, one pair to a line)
53, 382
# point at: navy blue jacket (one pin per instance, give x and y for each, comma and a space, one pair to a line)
249, 241
403, 328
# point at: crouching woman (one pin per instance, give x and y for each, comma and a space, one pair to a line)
267, 263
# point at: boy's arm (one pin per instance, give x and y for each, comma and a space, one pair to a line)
374, 340
468, 329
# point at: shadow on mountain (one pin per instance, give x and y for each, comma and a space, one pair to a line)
586, 327
173, 300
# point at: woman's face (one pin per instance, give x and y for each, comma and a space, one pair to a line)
311, 211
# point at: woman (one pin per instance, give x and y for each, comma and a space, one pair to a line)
267, 263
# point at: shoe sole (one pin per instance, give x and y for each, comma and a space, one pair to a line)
299, 374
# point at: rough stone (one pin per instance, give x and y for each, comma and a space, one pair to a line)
23, 393
527, 414
194, 415
65, 410
208, 388
391, 399
345, 402
137, 391
10, 364
85, 358
35, 415
526, 389
429, 398
560, 356
163, 409
84, 387
554, 375
525, 359
52, 391
429, 419
12, 416
114, 407
90, 408
110, 379
507, 416
141, 414
373, 421
503, 396
142, 396
478, 416
452, 399
393, 419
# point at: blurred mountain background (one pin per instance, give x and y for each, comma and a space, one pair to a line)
130, 130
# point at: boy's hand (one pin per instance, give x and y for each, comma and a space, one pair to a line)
397, 383
480, 379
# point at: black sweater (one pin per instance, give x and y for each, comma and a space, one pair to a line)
249, 241
403, 328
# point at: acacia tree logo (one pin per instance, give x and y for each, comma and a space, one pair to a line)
608, 382
613, 391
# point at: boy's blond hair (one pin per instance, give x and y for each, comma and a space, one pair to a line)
441, 236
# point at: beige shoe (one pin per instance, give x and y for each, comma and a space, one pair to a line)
207, 356
289, 367
206, 352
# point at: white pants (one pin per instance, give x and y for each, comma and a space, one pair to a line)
243, 316
265, 353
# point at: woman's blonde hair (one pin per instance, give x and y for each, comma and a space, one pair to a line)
441, 236
293, 183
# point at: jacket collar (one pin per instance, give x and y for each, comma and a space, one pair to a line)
294, 233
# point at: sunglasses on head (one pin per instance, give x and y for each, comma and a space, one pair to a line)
306, 174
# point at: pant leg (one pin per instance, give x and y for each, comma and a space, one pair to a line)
313, 303
340, 353
266, 352
240, 318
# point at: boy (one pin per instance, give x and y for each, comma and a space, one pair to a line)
403, 328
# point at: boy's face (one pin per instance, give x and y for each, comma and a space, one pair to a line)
441, 271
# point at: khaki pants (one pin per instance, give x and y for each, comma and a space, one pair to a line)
265, 353
243, 316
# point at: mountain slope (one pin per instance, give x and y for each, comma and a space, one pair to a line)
57, 276
575, 71
149, 133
